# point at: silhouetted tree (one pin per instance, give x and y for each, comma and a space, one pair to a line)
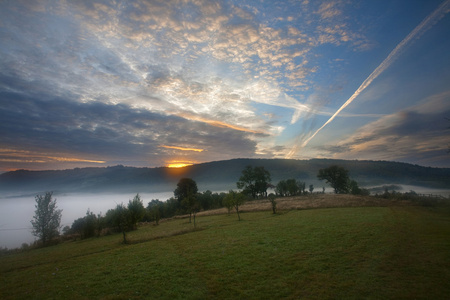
292, 187
281, 188
254, 181
337, 177
184, 187
191, 204
47, 218
311, 188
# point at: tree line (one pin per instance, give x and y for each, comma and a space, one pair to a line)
253, 183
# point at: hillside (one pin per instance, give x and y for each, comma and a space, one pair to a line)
389, 252
217, 175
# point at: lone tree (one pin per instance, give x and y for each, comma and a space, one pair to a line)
136, 211
47, 218
185, 194
272, 199
254, 181
235, 199
337, 177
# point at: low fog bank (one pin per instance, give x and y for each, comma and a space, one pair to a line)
16, 211
402, 188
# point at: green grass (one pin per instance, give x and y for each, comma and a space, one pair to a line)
339, 253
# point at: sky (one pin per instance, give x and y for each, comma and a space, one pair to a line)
166, 83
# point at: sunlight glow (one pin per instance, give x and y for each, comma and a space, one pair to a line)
178, 165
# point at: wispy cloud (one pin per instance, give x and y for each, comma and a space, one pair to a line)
420, 29
415, 134
182, 148
113, 81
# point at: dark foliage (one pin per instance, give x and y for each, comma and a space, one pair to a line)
47, 218
254, 181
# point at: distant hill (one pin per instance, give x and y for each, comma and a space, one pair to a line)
216, 176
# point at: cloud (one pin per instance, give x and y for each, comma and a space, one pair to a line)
429, 21
70, 131
101, 80
414, 135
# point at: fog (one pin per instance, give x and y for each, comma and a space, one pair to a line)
16, 212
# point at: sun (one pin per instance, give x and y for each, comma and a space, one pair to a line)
178, 165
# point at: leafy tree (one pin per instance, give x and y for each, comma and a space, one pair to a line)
356, 190
186, 192
235, 199
311, 188
191, 204
136, 212
254, 181
78, 227
228, 203
90, 222
47, 218
154, 208
337, 177
281, 188
86, 226
272, 199
293, 187
121, 220
184, 187
66, 230
209, 200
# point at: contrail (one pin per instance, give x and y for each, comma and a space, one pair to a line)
426, 24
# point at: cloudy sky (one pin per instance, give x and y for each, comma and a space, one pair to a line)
153, 83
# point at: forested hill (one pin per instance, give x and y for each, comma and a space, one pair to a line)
219, 175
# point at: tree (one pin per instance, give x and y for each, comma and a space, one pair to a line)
311, 188
235, 199
154, 210
254, 181
47, 218
228, 203
191, 204
184, 187
136, 211
186, 194
281, 188
293, 187
337, 177
121, 220
272, 199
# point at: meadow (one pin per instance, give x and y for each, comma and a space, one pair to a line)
394, 250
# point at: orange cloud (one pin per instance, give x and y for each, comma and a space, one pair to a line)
217, 123
182, 148
25, 156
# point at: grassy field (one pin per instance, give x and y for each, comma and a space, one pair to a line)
385, 252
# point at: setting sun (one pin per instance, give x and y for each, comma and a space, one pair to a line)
178, 165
